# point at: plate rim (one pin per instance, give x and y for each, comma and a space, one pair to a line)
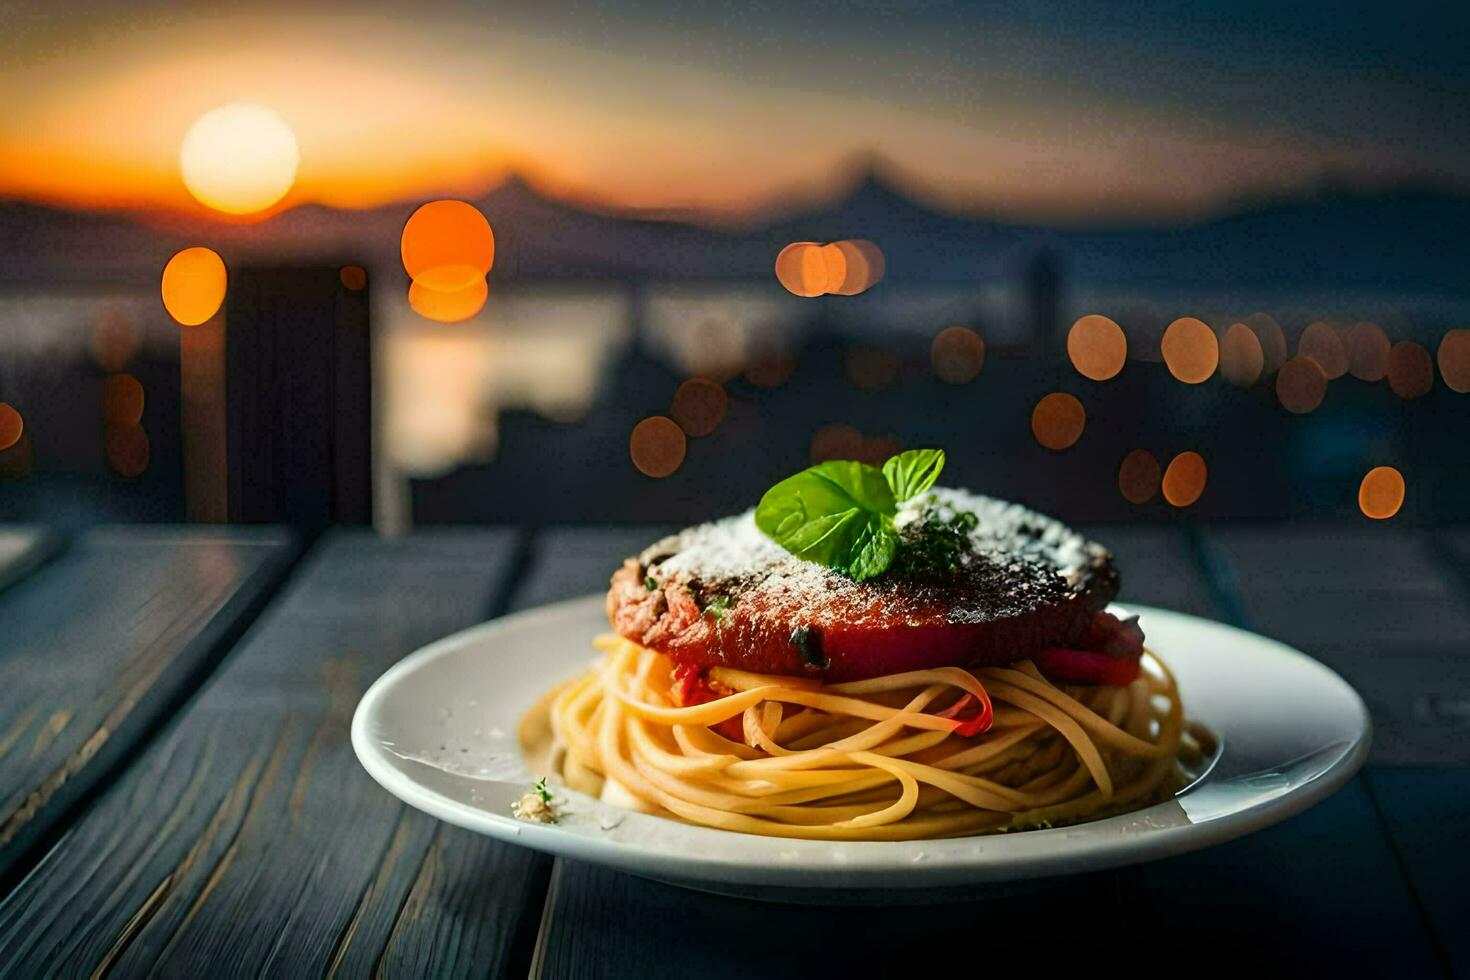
701, 870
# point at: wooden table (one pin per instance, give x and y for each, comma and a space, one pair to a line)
180, 798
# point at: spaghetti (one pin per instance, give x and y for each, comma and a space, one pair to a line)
923, 754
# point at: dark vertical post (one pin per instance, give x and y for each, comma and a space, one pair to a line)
298, 399
1043, 299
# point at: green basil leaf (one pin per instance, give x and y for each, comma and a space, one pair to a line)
873, 548
822, 514
911, 473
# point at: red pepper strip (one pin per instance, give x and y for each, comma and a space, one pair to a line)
691, 686
1087, 667
970, 726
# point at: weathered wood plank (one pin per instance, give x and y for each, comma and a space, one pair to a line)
248, 839
23, 550
99, 644
1428, 821
449, 917
1375, 604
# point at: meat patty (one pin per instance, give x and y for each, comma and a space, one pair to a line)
724, 594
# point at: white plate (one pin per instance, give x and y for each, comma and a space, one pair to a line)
438, 731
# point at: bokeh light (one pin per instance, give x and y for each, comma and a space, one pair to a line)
353, 277
657, 446
834, 264
1139, 476
1242, 361
127, 450
1057, 420
12, 426
870, 368
957, 355
1097, 347
1300, 385
699, 406
1410, 370
1190, 350
1272, 338
239, 158
114, 339
1367, 351
863, 267
447, 246
1381, 493
802, 269
1184, 480
1454, 360
193, 286
877, 450
448, 307
836, 441
122, 400
769, 368
1321, 343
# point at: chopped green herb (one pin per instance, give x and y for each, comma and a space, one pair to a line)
649, 583
936, 543
540, 790
718, 607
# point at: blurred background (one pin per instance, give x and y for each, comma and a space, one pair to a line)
560, 263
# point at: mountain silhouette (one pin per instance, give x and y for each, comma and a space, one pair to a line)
1408, 239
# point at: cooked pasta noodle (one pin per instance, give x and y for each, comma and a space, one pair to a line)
882, 759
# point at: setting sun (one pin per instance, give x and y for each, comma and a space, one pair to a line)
240, 158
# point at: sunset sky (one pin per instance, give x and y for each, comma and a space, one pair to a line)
1041, 109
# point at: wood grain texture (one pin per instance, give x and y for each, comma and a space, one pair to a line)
1375, 603
23, 550
99, 644
1428, 821
247, 839
448, 919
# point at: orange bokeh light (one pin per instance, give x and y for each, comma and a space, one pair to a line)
1410, 370
1097, 347
699, 406
1381, 493
1301, 385
1242, 360
1272, 338
122, 400
1367, 351
836, 442
1057, 420
802, 269
1322, 344
1184, 480
447, 246
1454, 360
657, 446
1190, 350
193, 285
448, 307
12, 426
863, 267
127, 450
1139, 476
871, 369
353, 277
957, 355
